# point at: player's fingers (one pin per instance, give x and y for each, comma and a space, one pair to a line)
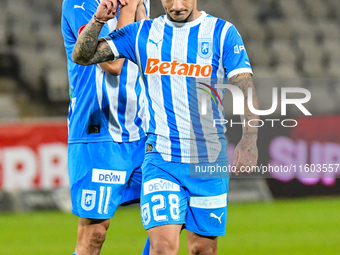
123, 2
246, 163
235, 158
235, 162
251, 162
111, 6
238, 165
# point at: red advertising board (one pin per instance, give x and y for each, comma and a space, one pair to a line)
33, 155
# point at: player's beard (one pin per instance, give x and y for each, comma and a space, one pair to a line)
180, 18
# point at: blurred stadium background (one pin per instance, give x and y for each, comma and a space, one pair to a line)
290, 43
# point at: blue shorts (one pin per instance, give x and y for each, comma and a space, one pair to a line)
170, 196
103, 175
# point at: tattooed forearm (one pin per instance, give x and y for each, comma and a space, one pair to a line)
88, 49
244, 81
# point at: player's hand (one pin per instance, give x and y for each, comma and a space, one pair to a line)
245, 155
134, 3
107, 9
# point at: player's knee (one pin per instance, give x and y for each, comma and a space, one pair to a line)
164, 246
203, 248
97, 235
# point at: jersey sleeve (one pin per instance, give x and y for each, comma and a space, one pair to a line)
77, 14
147, 8
235, 57
123, 41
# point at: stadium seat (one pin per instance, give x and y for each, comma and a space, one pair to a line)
52, 57
57, 84
292, 8
290, 82
329, 30
31, 66
3, 34
222, 10
286, 71
3, 25
19, 11
252, 31
23, 35
335, 7
8, 107
50, 36
8, 85
334, 70
284, 52
311, 50
245, 6
313, 69
317, 8
302, 28
324, 102
280, 30
263, 72
336, 92
259, 54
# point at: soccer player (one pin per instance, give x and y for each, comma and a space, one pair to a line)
106, 134
173, 52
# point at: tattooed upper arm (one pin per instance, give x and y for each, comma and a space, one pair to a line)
103, 52
242, 80
89, 51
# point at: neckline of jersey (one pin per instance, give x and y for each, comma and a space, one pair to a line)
186, 24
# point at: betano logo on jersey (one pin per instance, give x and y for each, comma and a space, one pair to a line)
155, 66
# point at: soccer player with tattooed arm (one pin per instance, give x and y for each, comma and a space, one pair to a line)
171, 52
106, 127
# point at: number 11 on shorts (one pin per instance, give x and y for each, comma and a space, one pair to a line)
101, 204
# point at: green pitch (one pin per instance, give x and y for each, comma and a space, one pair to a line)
303, 226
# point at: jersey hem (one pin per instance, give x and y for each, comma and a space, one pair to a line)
186, 160
104, 140
239, 70
113, 47
92, 216
203, 233
164, 223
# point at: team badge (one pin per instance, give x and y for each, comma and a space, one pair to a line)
81, 30
205, 47
88, 199
146, 217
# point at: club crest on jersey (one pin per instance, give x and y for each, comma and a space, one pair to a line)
145, 211
88, 199
205, 47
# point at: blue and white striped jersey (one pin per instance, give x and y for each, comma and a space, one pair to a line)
170, 56
102, 107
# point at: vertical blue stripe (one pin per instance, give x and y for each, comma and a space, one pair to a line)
216, 47
142, 47
105, 102
192, 89
215, 63
122, 99
167, 93
138, 121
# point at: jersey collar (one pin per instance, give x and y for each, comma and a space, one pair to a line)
186, 24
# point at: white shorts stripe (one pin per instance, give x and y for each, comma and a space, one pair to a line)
212, 202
